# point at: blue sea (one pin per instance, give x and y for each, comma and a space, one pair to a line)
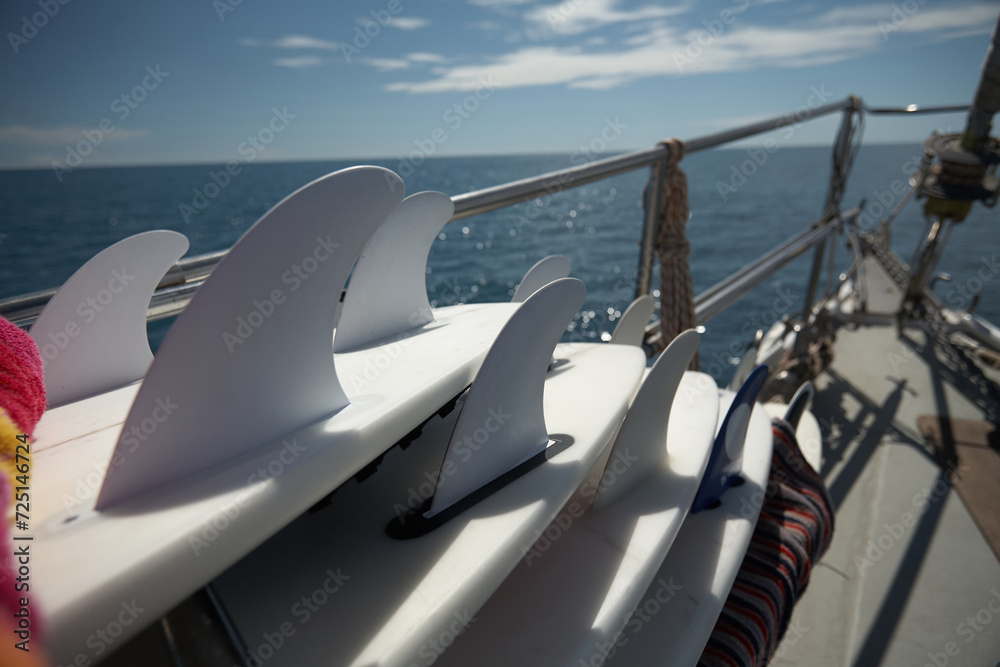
49, 228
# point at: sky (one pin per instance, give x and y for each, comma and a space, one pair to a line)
120, 82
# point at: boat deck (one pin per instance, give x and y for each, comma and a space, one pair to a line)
912, 462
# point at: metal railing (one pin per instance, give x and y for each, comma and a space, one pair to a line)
180, 284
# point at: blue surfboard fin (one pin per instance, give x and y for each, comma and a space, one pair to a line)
726, 460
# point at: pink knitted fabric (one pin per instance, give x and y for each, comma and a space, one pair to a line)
22, 391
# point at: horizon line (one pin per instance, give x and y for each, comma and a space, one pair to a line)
382, 158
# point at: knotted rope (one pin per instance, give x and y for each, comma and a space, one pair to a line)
672, 248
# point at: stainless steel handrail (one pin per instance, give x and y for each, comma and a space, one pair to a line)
489, 199
916, 110
180, 284
172, 294
727, 291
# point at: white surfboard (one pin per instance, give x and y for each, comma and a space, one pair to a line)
676, 614
202, 428
389, 601
576, 587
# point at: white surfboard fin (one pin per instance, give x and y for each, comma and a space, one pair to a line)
631, 327
747, 363
501, 424
800, 403
388, 289
643, 435
541, 274
251, 358
92, 332
726, 460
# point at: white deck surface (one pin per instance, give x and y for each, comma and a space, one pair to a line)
907, 580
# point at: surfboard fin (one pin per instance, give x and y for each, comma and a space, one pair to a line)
631, 327
542, 273
502, 424
747, 363
388, 289
726, 459
799, 403
251, 358
644, 431
92, 332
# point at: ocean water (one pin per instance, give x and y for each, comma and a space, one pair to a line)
49, 228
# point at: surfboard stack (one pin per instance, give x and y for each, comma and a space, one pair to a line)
537, 522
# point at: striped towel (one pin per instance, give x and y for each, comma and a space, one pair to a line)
793, 532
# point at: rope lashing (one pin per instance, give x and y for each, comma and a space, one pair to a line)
672, 248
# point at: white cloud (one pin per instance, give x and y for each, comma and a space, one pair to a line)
293, 42
426, 58
408, 22
304, 61
497, 3
664, 50
864, 13
600, 83
385, 64
575, 16
390, 64
66, 134
925, 20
